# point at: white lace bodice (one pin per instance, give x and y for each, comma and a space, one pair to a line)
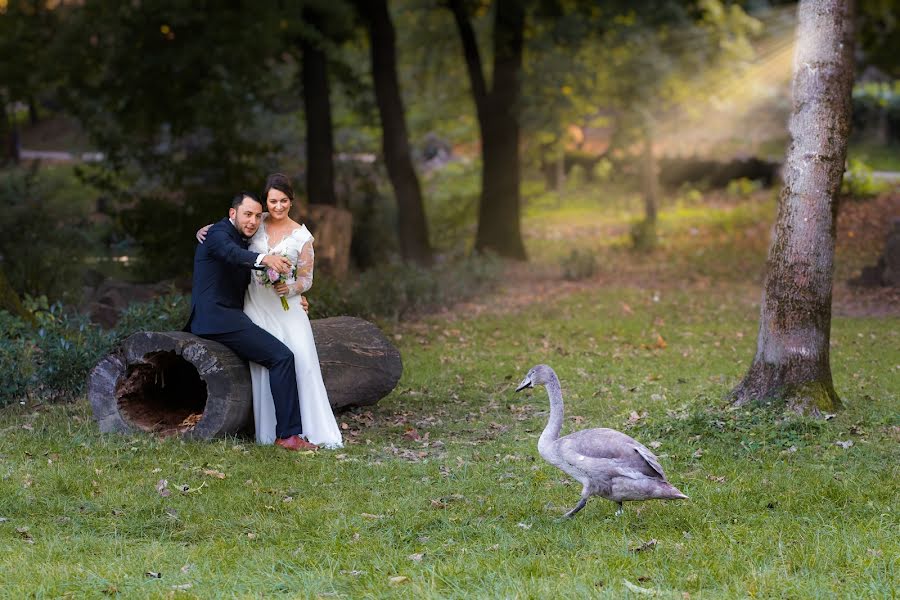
297, 246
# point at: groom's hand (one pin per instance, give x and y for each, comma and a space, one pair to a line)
279, 263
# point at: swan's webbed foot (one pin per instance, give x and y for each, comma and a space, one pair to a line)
578, 507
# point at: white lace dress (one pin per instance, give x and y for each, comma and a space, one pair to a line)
291, 327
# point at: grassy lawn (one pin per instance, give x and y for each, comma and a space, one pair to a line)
440, 492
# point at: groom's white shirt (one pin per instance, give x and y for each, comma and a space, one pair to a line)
259, 257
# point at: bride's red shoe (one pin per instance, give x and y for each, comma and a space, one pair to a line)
295, 442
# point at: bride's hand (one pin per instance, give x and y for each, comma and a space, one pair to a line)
304, 303
282, 289
201, 233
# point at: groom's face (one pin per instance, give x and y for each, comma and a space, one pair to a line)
246, 216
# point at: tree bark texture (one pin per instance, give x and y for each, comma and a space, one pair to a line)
498, 119
792, 358
412, 228
174, 382
319, 129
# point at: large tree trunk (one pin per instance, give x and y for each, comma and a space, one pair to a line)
498, 119
412, 228
792, 356
319, 130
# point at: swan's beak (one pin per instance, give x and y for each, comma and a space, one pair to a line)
526, 383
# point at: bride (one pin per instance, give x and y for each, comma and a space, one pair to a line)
279, 234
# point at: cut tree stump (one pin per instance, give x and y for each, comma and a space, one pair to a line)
175, 383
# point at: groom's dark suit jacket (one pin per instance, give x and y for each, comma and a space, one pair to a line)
222, 266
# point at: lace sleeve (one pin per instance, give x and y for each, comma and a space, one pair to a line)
305, 260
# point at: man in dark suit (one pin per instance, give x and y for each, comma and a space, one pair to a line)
222, 266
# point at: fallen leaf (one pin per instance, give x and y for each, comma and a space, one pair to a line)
524, 525
398, 579
251, 535
412, 434
655, 444
648, 545
162, 488
634, 417
354, 573
416, 557
717, 479
153, 575
28, 427
697, 453
638, 589
25, 534
214, 473
187, 568
371, 516
844, 445
182, 586
3, 519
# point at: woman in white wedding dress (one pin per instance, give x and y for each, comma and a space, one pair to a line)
279, 234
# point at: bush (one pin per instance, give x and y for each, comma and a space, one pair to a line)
44, 236
167, 313
859, 182
578, 265
395, 290
51, 360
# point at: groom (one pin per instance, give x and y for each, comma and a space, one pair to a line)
221, 274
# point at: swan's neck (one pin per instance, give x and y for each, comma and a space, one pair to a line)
554, 424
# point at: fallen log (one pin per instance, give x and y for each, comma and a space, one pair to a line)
175, 383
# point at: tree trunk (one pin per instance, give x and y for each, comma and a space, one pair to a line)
651, 179
33, 116
319, 130
174, 382
792, 357
498, 118
412, 228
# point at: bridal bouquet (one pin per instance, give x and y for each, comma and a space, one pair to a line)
271, 278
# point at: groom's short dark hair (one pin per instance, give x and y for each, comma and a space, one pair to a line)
237, 200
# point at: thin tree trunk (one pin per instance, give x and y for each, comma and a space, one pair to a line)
792, 357
651, 180
33, 116
412, 228
319, 129
498, 212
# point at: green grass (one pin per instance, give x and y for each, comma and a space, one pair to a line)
469, 510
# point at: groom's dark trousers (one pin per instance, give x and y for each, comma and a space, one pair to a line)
222, 266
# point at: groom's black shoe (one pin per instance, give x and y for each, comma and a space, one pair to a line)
295, 442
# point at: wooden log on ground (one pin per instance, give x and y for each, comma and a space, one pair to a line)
174, 382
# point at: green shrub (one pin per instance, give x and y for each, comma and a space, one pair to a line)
579, 265
859, 182
45, 217
166, 313
394, 290
743, 187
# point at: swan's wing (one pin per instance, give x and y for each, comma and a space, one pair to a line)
610, 445
650, 458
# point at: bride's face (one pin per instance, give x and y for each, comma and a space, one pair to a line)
278, 204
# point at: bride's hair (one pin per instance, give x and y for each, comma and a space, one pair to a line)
280, 182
